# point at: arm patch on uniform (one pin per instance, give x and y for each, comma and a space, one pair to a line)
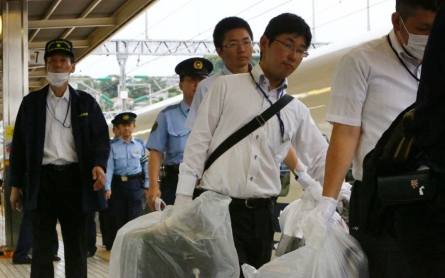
154, 127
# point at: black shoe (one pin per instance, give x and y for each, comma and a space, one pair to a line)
90, 254
56, 258
26, 260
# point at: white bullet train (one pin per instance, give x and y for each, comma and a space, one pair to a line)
310, 83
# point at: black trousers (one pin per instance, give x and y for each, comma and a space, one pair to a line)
420, 230
59, 198
385, 255
124, 205
253, 232
169, 183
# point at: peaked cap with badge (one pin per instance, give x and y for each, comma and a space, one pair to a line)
59, 45
194, 66
124, 118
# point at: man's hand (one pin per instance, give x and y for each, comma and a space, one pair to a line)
99, 177
16, 199
152, 193
108, 194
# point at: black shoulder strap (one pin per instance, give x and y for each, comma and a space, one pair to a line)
247, 129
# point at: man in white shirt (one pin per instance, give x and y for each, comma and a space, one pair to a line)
371, 85
233, 40
249, 171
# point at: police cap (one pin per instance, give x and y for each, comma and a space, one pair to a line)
194, 66
124, 118
59, 45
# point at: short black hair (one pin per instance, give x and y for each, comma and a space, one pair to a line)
227, 24
288, 23
408, 8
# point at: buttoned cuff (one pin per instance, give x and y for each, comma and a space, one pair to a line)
186, 185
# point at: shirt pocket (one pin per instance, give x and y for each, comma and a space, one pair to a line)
282, 144
135, 160
177, 140
120, 160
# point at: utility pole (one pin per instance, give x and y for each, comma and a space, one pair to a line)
123, 93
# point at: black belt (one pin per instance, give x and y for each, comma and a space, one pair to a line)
60, 168
252, 202
127, 178
171, 168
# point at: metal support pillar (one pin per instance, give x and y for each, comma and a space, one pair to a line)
14, 87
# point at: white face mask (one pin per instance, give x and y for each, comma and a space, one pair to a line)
57, 79
416, 43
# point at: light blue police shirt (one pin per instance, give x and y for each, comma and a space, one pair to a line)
125, 159
168, 135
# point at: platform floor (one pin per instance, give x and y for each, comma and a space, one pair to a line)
97, 265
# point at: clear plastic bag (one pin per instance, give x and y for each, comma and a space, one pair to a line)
194, 240
329, 251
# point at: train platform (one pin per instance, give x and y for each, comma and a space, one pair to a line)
97, 265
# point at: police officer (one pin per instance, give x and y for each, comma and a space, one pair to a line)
126, 176
168, 134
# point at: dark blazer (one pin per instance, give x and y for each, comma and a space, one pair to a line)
91, 139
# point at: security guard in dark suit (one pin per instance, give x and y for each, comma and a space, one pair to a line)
127, 175
168, 134
61, 143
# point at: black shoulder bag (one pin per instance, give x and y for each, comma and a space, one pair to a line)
245, 130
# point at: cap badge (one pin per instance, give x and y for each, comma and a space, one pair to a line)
125, 117
197, 65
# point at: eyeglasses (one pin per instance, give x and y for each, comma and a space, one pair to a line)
302, 53
234, 45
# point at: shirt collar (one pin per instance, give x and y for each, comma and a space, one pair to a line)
398, 47
226, 71
66, 94
260, 78
121, 140
184, 106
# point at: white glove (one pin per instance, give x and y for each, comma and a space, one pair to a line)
303, 177
159, 204
182, 200
326, 206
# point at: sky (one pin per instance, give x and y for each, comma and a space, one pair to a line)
334, 20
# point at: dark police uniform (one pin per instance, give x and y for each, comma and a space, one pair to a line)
62, 190
127, 177
168, 134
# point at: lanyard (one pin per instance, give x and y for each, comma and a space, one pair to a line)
401, 61
66, 115
180, 109
267, 98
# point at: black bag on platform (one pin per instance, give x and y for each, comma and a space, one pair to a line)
390, 178
406, 188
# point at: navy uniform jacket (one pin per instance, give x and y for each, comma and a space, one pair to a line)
90, 132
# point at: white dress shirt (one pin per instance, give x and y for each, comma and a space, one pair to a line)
59, 145
370, 88
251, 167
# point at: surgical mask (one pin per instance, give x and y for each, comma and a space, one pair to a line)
416, 43
57, 79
